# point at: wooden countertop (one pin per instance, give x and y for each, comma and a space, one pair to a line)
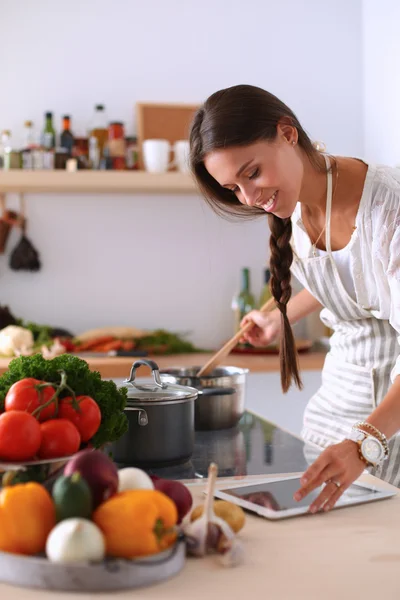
348, 553
116, 367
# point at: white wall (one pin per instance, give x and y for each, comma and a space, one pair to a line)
381, 48
162, 261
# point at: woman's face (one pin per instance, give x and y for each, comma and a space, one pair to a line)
265, 174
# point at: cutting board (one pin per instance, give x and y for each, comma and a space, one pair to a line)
163, 121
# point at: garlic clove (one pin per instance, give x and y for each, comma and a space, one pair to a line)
231, 553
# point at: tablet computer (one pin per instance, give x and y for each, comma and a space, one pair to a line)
273, 497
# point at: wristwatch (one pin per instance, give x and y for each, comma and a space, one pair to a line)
371, 450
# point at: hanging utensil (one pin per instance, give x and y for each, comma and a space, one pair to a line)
8, 219
228, 347
24, 257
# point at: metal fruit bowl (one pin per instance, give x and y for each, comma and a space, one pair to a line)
105, 576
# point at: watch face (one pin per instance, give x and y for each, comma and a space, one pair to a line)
372, 450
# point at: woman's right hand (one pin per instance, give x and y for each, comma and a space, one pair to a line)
266, 329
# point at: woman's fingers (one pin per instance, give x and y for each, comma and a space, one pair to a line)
332, 490
330, 503
313, 477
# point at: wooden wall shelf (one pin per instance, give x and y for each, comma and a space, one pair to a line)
99, 182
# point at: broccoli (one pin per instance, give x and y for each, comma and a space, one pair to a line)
83, 381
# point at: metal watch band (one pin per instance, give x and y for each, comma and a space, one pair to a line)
381, 436
358, 436
375, 433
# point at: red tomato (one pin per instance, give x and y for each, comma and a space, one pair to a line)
24, 395
87, 420
20, 436
60, 438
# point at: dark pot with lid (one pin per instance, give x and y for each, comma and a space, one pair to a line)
161, 422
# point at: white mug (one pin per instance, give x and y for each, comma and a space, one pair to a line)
181, 155
156, 155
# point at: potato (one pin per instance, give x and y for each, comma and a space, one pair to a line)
230, 513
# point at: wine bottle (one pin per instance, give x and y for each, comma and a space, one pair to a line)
66, 138
243, 302
49, 134
266, 293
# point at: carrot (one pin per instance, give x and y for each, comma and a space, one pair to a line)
113, 345
90, 344
128, 345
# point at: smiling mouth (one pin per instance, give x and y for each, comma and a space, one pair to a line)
271, 202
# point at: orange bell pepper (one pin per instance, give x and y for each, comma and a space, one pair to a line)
27, 515
137, 523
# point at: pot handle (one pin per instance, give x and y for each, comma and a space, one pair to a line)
218, 391
146, 363
143, 419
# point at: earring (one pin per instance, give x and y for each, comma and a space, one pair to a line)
293, 143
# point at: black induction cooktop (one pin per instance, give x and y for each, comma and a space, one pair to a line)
254, 447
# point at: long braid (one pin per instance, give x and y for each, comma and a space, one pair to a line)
280, 261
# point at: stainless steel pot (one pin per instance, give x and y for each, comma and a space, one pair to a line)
161, 422
221, 400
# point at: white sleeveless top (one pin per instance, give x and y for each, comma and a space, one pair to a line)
342, 260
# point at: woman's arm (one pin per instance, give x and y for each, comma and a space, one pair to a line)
267, 325
386, 417
302, 305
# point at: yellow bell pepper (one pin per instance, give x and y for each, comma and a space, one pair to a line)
137, 523
27, 515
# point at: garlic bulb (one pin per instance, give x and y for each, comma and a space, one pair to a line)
209, 532
131, 478
75, 540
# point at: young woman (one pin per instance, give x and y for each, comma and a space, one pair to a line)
334, 225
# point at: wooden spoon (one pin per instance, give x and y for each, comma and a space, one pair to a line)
219, 356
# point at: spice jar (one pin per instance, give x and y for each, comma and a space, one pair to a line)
116, 140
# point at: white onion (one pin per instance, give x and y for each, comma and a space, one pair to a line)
131, 478
75, 540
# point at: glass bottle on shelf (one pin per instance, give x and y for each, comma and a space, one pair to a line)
99, 128
94, 154
117, 145
266, 293
28, 147
66, 138
49, 134
2, 144
29, 135
244, 301
11, 158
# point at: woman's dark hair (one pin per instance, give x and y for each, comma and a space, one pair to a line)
239, 116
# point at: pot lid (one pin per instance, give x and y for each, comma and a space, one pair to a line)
158, 390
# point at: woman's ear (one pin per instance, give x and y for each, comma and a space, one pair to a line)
287, 131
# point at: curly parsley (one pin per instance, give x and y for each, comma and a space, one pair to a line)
83, 381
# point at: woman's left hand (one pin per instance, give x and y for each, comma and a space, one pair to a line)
338, 466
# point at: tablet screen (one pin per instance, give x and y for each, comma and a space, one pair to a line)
278, 495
